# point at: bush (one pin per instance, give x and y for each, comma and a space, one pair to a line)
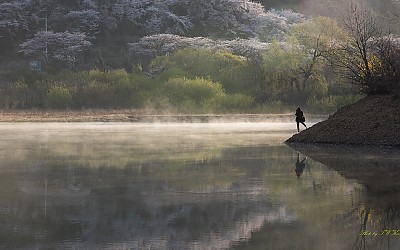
59, 97
231, 71
119, 89
201, 95
26, 94
234, 102
18, 95
93, 95
106, 89
172, 72
198, 91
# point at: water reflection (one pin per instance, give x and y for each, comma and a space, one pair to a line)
300, 165
178, 186
375, 217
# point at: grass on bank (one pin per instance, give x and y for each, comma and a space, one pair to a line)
118, 89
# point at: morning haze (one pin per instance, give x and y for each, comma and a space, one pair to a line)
198, 124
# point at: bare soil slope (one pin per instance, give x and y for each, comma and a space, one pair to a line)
374, 120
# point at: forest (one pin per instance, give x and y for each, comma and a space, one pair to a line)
196, 56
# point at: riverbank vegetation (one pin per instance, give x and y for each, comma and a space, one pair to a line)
166, 55
191, 81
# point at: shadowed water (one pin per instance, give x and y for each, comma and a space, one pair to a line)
182, 186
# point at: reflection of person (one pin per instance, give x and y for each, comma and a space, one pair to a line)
300, 118
300, 165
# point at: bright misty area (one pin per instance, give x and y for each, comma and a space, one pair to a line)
186, 186
170, 124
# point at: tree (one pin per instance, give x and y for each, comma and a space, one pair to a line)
152, 16
87, 21
353, 56
367, 58
111, 25
14, 22
63, 47
149, 47
274, 25
386, 50
314, 37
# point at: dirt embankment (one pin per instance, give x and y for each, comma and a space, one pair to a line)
374, 120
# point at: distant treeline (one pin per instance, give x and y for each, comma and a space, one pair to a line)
96, 34
191, 55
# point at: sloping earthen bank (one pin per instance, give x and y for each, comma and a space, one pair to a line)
374, 121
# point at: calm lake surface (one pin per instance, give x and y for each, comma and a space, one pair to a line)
182, 186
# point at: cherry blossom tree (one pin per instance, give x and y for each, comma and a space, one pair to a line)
161, 44
12, 17
87, 21
119, 25
151, 16
274, 25
64, 47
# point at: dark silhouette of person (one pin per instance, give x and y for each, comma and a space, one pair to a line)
300, 165
300, 118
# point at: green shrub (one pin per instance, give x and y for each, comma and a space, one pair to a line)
59, 97
18, 94
26, 94
93, 95
172, 72
172, 89
145, 84
108, 76
234, 102
199, 90
232, 71
107, 89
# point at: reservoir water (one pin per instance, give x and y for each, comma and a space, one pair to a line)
190, 186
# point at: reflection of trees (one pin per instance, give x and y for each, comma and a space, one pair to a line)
377, 219
376, 206
209, 203
159, 204
154, 196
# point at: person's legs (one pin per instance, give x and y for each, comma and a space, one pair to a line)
304, 124
298, 129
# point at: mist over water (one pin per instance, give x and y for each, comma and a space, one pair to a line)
177, 186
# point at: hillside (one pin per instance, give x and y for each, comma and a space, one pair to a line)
373, 120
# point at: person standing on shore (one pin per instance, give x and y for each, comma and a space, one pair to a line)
300, 118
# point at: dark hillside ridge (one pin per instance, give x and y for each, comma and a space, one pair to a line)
374, 120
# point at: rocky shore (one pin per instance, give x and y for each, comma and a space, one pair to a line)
373, 121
